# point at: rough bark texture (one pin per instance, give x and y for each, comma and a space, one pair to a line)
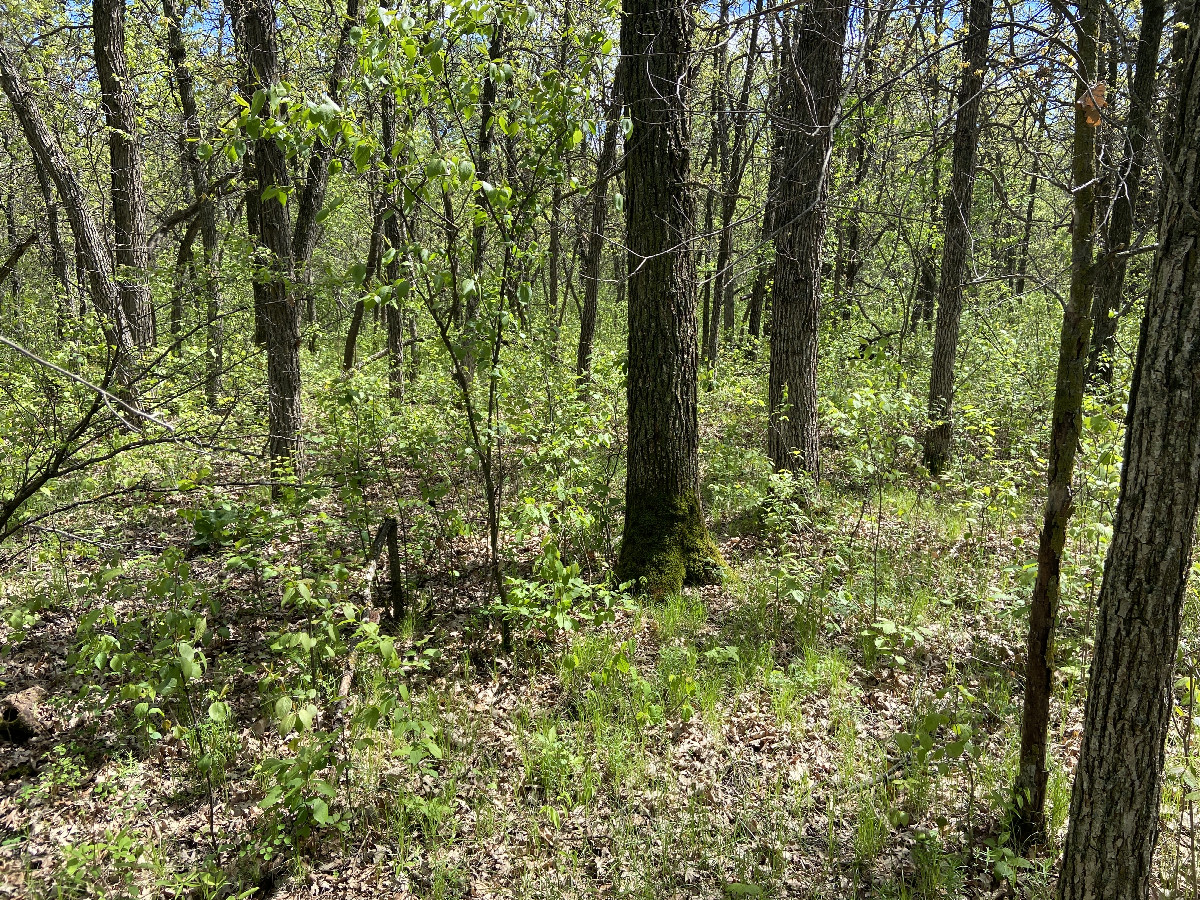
131, 251
1115, 799
665, 540
274, 266
809, 96
593, 252
206, 215
1110, 275
1029, 791
957, 237
92, 255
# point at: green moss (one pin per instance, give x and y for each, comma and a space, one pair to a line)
666, 545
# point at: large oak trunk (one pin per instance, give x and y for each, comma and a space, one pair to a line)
665, 540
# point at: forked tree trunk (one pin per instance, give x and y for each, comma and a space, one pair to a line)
665, 542
1114, 816
274, 266
1110, 275
131, 251
956, 216
1029, 791
810, 86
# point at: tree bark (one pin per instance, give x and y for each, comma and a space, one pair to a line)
956, 216
1029, 791
809, 97
1110, 274
92, 254
665, 541
131, 251
206, 216
1118, 782
274, 269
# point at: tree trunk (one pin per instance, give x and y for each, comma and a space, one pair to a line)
665, 542
1110, 273
91, 252
593, 253
809, 96
131, 252
1115, 798
67, 308
956, 237
1029, 791
206, 216
274, 270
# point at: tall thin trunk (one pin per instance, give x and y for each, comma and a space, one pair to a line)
956, 216
809, 97
274, 267
1029, 791
206, 217
483, 166
393, 313
1114, 818
665, 541
593, 252
1110, 274
131, 252
67, 307
708, 313
92, 255
739, 154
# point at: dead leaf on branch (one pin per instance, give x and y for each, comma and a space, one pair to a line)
1092, 102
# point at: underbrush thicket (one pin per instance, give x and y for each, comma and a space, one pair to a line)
250, 695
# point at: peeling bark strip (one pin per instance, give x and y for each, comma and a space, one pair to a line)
1029, 798
665, 540
1115, 799
957, 228
809, 95
89, 245
131, 252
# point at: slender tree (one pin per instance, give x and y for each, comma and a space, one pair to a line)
810, 90
593, 252
206, 216
1110, 274
665, 540
1113, 825
1066, 426
956, 217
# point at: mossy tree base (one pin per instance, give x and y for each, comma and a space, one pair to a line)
666, 545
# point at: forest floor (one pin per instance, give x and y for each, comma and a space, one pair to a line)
837, 719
